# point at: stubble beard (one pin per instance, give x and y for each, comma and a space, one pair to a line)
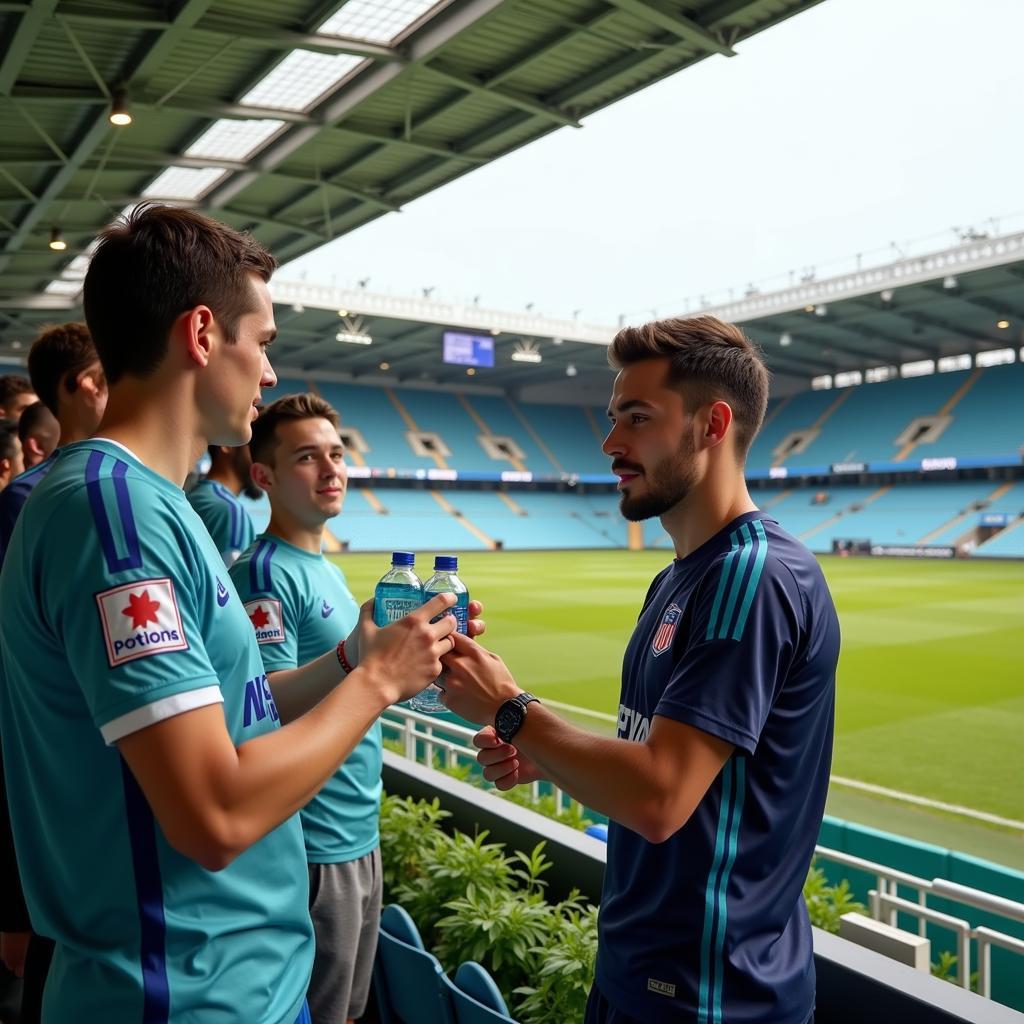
668, 484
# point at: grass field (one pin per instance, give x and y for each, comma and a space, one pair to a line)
930, 686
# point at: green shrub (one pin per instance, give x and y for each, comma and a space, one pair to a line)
826, 903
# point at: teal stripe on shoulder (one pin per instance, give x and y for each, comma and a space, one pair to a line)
723, 911
755, 576
746, 541
707, 936
722, 581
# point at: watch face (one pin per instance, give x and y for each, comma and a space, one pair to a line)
508, 719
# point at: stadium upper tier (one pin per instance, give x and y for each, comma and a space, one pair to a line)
968, 415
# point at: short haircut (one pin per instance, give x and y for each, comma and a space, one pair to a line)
9, 442
12, 385
155, 264
37, 421
57, 356
285, 410
709, 360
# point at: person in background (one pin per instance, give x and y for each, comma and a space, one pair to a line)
715, 781
39, 432
300, 607
15, 394
215, 499
67, 375
11, 462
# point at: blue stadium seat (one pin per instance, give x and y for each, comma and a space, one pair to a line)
411, 986
476, 998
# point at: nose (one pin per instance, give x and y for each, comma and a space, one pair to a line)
268, 379
613, 445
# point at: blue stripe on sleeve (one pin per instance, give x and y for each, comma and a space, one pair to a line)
734, 590
254, 566
156, 993
722, 581
268, 554
94, 477
755, 576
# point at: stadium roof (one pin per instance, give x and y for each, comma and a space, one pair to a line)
945, 303
300, 120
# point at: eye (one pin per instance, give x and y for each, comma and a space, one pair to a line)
638, 418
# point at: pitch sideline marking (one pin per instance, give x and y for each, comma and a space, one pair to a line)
922, 801
840, 780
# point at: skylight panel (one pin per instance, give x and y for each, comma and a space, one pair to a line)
228, 139
300, 80
62, 287
377, 21
183, 182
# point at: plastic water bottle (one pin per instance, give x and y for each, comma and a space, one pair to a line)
399, 591
444, 581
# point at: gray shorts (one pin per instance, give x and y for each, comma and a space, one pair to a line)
344, 902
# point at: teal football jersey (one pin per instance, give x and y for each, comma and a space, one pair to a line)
118, 613
300, 607
225, 518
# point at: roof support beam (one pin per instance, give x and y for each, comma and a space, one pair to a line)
282, 39
659, 13
150, 59
34, 16
506, 96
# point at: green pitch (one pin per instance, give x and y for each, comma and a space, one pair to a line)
930, 686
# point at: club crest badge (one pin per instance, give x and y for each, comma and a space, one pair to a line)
666, 631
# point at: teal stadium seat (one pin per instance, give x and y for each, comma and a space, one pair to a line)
476, 998
410, 985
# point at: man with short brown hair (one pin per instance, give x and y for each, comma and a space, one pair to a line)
15, 394
715, 781
154, 780
39, 432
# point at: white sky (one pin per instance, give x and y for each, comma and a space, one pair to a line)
850, 126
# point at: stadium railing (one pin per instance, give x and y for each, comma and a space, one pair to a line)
435, 741
853, 983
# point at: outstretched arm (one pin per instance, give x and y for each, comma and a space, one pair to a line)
651, 787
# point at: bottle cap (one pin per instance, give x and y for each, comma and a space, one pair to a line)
403, 558
446, 563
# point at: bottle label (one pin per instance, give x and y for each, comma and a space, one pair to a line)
461, 613
396, 608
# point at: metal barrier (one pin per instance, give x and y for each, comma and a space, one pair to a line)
418, 732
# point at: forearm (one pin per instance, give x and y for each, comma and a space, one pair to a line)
616, 777
298, 690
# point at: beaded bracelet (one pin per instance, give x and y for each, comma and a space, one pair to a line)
346, 665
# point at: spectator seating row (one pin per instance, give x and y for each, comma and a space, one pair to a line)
411, 987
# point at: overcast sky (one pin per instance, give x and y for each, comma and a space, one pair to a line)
851, 126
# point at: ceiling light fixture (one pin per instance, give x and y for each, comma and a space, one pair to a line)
950, 283
57, 243
785, 340
570, 370
119, 114
1002, 324
821, 310
526, 352
470, 372
353, 331
385, 366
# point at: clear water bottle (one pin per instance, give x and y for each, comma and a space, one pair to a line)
399, 591
444, 581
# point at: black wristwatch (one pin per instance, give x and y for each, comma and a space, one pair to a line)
511, 715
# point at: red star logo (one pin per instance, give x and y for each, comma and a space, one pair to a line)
142, 609
259, 618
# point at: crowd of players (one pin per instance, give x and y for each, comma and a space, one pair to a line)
189, 712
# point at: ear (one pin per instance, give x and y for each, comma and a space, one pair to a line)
32, 446
718, 422
198, 326
262, 476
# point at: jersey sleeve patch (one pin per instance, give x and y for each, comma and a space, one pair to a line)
140, 619
267, 619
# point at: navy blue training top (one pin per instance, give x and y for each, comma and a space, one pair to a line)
14, 496
740, 639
